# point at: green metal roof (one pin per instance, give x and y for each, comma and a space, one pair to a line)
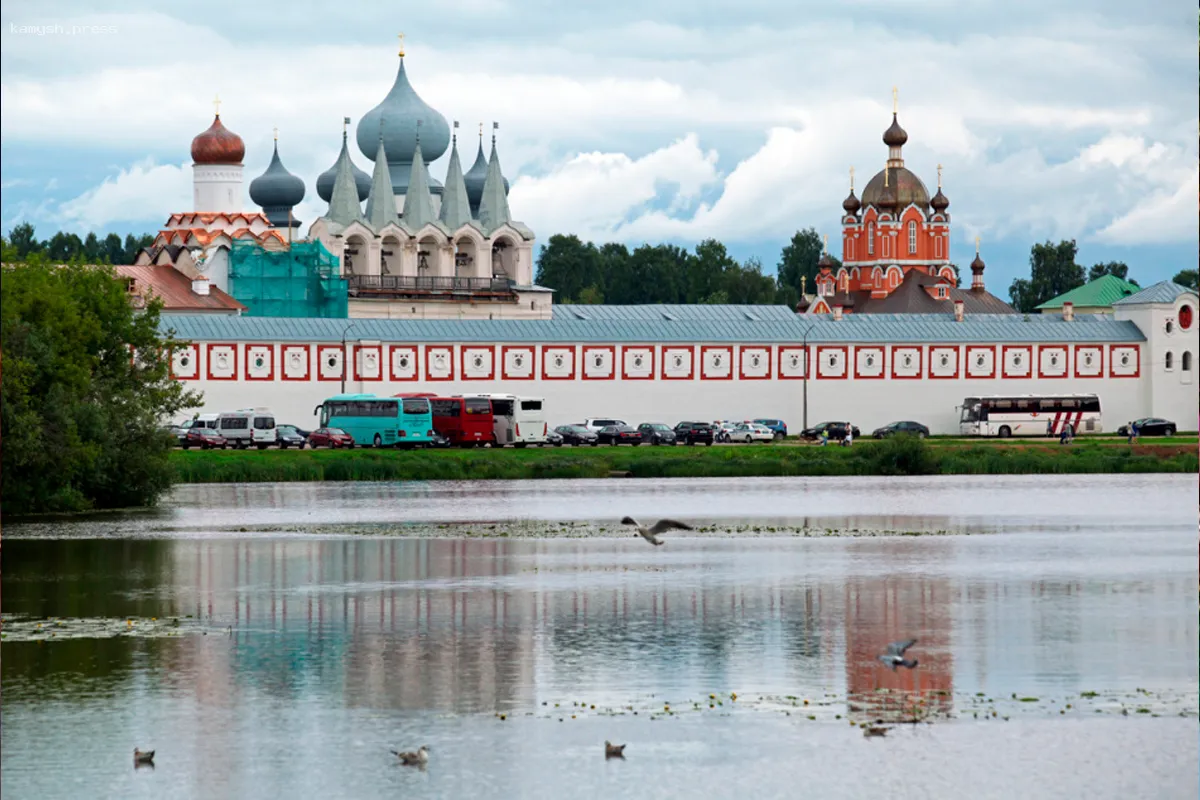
1100, 293
651, 324
1161, 292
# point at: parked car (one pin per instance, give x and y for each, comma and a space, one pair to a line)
892, 428
330, 437
695, 433
204, 438
836, 430
577, 435
777, 425
656, 433
594, 424
553, 438
619, 434
289, 436
751, 432
437, 440
177, 431
298, 430
1151, 426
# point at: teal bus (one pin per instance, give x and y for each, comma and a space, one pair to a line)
380, 421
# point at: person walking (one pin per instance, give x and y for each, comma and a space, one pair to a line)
1133, 426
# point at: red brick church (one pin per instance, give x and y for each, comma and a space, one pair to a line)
896, 249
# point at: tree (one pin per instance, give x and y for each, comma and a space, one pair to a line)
567, 265
22, 238
80, 415
91, 249
113, 251
1189, 278
707, 270
1052, 271
799, 259
1118, 269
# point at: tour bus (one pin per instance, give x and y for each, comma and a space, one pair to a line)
464, 421
379, 421
1030, 415
248, 427
518, 421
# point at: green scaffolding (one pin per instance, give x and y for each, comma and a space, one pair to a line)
302, 281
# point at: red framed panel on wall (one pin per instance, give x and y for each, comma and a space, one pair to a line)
331, 362
222, 362
1016, 361
637, 362
1053, 361
754, 363
185, 362
477, 362
518, 362
295, 362
907, 361
259, 363
404, 362
368, 362
439, 362
832, 362
869, 362
716, 363
678, 363
792, 364
1124, 361
599, 362
1089, 361
980, 361
944, 363
558, 362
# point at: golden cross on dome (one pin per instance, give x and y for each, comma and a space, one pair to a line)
481, 131
217, 104
895, 100
826, 250
852, 178
976, 245
400, 36
803, 282
939, 176
275, 131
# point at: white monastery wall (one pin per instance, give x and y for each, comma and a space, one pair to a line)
869, 385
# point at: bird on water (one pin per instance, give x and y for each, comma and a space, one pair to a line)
894, 657
142, 757
662, 526
414, 759
614, 750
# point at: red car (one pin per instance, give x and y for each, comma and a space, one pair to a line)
204, 438
330, 437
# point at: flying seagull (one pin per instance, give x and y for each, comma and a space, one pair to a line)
142, 757
894, 657
662, 526
417, 759
614, 750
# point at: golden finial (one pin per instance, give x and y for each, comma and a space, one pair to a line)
976, 245
803, 284
217, 104
852, 178
939, 176
275, 132
895, 100
400, 36
481, 132
826, 250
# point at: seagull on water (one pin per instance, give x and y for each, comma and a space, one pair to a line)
614, 750
662, 526
418, 759
894, 657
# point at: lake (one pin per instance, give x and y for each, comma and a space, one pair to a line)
279, 640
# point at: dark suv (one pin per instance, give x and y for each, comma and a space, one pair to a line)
694, 433
835, 430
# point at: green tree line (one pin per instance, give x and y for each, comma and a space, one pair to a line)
582, 272
22, 244
80, 413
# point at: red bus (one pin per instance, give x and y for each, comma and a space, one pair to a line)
465, 421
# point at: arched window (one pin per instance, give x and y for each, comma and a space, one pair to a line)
1170, 360
1187, 361
912, 238
871, 239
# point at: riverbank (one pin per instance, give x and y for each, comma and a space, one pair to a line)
890, 457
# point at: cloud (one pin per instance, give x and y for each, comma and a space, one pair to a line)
1160, 218
143, 191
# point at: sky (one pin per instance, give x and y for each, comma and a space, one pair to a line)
649, 121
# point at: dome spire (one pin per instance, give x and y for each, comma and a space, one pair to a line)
418, 205
851, 204
277, 191
977, 267
325, 181
939, 202
456, 209
381, 203
493, 205
344, 198
895, 136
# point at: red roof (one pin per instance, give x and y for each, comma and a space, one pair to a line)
175, 289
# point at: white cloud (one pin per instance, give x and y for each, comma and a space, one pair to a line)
144, 191
1157, 219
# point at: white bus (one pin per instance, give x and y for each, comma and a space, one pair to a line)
248, 427
518, 421
1030, 415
